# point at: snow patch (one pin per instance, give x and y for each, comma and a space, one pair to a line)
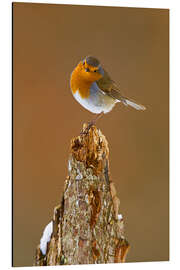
79, 176
69, 165
46, 237
77, 203
120, 217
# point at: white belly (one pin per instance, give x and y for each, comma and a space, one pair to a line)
97, 102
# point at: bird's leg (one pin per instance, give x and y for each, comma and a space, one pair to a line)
92, 122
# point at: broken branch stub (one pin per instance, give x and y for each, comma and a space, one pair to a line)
87, 225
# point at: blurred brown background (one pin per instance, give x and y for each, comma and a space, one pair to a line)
132, 44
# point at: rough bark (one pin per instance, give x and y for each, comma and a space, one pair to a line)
86, 225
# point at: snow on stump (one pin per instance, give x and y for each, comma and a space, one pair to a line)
87, 227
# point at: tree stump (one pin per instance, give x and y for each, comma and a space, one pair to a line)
87, 227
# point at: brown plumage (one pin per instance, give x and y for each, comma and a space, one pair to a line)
94, 89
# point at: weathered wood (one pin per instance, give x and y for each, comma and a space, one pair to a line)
87, 227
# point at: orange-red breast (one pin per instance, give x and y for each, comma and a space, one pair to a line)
93, 88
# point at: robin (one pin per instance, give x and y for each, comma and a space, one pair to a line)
94, 89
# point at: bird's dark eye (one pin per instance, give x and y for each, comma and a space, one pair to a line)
95, 70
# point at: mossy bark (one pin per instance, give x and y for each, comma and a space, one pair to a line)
86, 227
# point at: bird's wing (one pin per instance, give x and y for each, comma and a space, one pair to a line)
108, 86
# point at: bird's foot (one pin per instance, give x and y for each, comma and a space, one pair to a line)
86, 130
90, 124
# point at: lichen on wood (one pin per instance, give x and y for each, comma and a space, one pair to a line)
86, 227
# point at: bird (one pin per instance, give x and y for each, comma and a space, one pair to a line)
93, 88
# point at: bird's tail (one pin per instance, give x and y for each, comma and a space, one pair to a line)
129, 102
